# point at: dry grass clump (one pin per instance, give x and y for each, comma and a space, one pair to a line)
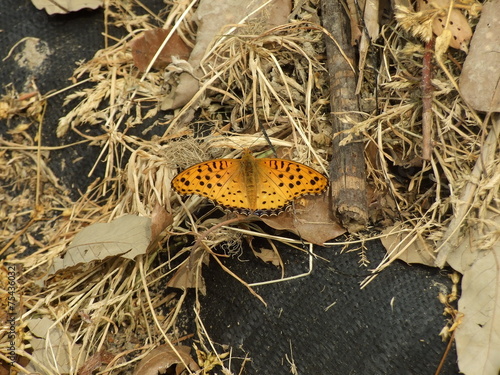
426, 190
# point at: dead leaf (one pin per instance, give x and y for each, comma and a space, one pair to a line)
51, 346
127, 236
461, 32
189, 275
275, 13
354, 21
66, 6
95, 361
268, 256
309, 219
478, 335
163, 358
459, 27
160, 220
371, 18
409, 250
146, 44
481, 71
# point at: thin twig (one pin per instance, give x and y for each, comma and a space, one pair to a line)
427, 95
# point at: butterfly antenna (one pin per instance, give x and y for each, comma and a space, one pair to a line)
266, 136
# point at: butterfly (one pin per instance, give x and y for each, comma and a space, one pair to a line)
250, 186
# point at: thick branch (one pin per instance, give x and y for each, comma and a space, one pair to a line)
347, 167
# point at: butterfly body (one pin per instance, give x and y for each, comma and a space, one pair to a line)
250, 186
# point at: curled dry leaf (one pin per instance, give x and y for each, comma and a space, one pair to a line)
164, 358
371, 19
145, 46
160, 220
188, 275
209, 360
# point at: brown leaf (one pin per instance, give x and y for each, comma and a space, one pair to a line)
478, 335
188, 275
94, 362
163, 358
145, 46
309, 219
5, 368
160, 219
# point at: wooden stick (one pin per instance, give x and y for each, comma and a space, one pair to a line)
347, 167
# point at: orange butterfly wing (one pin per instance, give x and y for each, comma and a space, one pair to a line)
216, 180
249, 185
286, 181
